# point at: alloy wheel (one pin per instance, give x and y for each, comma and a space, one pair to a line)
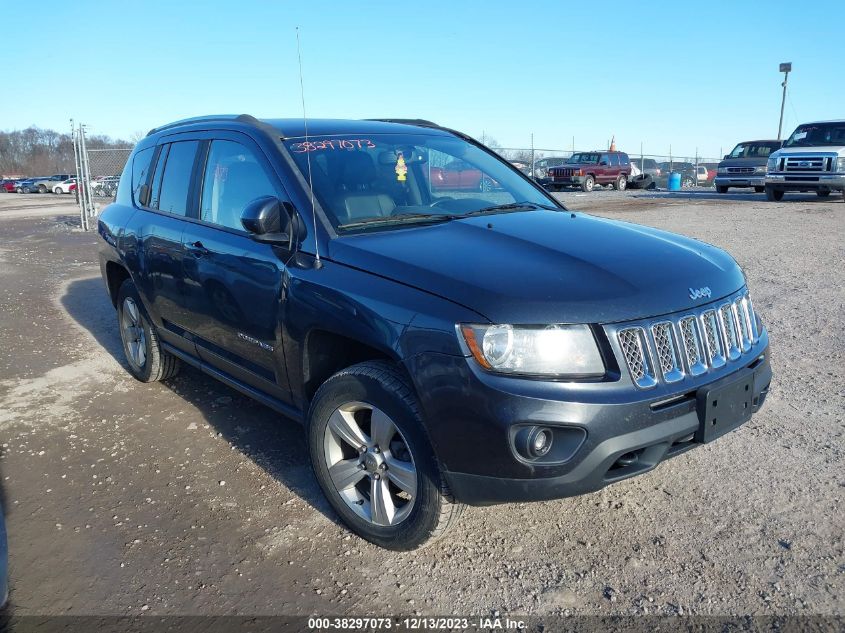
132, 331
370, 464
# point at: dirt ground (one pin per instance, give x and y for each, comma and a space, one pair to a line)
186, 498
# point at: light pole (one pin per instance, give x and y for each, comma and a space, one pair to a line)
785, 68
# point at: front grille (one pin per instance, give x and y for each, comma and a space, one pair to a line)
800, 164
740, 170
560, 172
689, 344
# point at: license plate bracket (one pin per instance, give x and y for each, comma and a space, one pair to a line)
724, 406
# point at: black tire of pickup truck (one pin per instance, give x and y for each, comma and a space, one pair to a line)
158, 364
773, 195
721, 190
384, 386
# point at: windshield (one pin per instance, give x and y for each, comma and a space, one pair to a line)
379, 180
592, 157
816, 134
754, 150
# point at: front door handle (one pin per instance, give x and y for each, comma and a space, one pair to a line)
197, 249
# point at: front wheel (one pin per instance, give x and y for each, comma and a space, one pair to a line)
823, 194
687, 183
773, 195
57, 191
373, 460
42, 189
147, 361
759, 189
720, 189
588, 184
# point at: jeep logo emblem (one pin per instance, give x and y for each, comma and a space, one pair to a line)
698, 293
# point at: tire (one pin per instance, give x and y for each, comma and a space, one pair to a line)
340, 430
588, 184
58, 191
759, 189
773, 195
42, 189
621, 183
720, 189
687, 183
823, 194
147, 361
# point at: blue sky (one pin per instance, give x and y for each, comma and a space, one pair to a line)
694, 75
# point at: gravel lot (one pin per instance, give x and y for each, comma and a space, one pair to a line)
187, 498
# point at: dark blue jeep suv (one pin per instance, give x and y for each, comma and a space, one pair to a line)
446, 331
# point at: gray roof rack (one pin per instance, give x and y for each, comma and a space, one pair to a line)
245, 118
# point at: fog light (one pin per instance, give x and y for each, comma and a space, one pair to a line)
540, 441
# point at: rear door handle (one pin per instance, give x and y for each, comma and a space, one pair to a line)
197, 249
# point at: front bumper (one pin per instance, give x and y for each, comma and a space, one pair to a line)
615, 432
806, 182
740, 181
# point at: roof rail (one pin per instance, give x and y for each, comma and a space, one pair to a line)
244, 118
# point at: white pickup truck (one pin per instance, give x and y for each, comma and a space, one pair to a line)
812, 159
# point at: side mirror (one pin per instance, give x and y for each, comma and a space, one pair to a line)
727, 156
269, 220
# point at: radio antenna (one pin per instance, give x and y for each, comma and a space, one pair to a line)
308, 152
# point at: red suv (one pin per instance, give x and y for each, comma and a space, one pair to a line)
588, 169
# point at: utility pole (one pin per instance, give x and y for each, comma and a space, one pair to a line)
785, 68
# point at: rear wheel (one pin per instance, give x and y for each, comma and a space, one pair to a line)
720, 189
621, 183
42, 189
588, 184
823, 194
57, 190
773, 195
147, 361
687, 182
759, 189
373, 460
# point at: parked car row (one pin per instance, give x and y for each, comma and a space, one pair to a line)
103, 186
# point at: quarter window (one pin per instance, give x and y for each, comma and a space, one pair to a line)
233, 177
176, 181
140, 171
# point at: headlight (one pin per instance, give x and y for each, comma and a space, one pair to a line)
772, 164
840, 164
721, 170
544, 350
760, 170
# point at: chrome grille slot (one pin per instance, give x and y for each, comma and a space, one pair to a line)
752, 319
712, 338
634, 347
692, 346
741, 316
667, 356
728, 326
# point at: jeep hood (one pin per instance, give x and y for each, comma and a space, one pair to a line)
546, 266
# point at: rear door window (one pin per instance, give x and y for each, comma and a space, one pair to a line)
176, 181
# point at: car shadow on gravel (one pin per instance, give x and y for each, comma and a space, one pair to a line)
275, 443
738, 196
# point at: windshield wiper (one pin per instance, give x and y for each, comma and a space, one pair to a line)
512, 206
400, 219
